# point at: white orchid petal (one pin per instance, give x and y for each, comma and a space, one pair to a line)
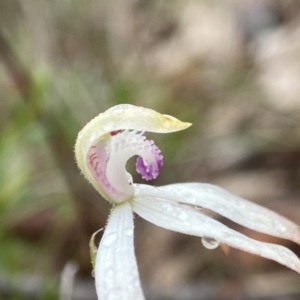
101, 148
185, 219
239, 210
116, 271
124, 116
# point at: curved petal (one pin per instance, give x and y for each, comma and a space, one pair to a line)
116, 272
185, 219
239, 210
91, 145
124, 116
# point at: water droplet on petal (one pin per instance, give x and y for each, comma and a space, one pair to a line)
136, 283
109, 239
115, 295
209, 190
166, 206
198, 207
192, 200
109, 273
209, 243
183, 216
112, 297
176, 191
128, 231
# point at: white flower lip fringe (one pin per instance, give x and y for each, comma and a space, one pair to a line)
102, 149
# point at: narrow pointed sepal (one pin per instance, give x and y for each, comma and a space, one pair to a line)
241, 211
186, 219
116, 272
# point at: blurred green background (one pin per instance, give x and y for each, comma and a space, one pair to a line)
231, 67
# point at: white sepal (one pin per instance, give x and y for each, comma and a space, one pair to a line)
186, 219
239, 210
116, 272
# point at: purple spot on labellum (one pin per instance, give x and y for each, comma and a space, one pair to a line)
115, 132
150, 170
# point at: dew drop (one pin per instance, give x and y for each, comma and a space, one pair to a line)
109, 239
166, 206
281, 227
198, 207
115, 295
209, 190
192, 200
112, 296
136, 283
209, 243
183, 216
128, 231
110, 273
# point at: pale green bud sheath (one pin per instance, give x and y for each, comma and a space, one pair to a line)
105, 144
93, 248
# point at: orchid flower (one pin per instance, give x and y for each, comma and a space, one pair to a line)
102, 149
